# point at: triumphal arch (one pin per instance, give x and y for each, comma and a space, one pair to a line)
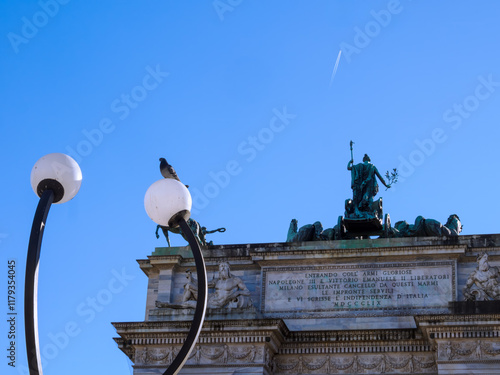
363, 297
416, 305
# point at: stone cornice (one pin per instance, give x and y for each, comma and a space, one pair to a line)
473, 326
459, 319
352, 335
473, 242
270, 332
453, 247
355, 347
155, 263
208, 325
391, 253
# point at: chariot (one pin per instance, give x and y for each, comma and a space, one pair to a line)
363, 225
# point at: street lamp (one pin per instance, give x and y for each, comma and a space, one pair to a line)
168, 203
55, 178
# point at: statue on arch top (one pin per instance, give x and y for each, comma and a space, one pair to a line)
364, 187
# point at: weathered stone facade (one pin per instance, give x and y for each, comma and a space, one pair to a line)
373, 306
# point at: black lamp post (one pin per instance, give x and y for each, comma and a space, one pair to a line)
55, 178
168, 203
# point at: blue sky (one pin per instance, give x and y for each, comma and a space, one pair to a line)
240, 98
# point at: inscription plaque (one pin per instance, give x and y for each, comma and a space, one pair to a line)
355, 287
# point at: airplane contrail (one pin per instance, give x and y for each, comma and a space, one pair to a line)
335, 67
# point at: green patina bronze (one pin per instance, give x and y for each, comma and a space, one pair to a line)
309, 232
427, 228
364, 188
199, 232
363, 217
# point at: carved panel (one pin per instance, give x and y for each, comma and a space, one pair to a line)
356, 364
483, 284
360, 289
468, 350
202, 354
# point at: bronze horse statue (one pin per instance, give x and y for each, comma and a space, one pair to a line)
428, 227
309, 232
199, 232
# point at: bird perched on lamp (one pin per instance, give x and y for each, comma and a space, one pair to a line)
168, 171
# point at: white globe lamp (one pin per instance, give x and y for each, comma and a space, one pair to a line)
167, 201
59, 173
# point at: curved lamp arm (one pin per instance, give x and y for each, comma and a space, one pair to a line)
55, 178
168, 203
201, 302
31, 283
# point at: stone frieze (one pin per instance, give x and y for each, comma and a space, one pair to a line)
356, 364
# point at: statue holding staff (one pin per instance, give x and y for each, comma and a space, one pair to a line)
364, 184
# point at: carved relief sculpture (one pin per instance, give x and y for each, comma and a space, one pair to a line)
230, 291
357, 364
190, 288
468, 350
483, 283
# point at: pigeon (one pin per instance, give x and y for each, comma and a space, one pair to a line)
168, 171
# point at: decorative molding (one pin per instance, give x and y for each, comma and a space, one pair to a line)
351, 348
468, 351
353, 335
354, 364
202, 354
469, 318
465, 332
160, 326
348, 252
202, 340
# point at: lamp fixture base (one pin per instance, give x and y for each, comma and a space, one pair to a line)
174, 220
51, 184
